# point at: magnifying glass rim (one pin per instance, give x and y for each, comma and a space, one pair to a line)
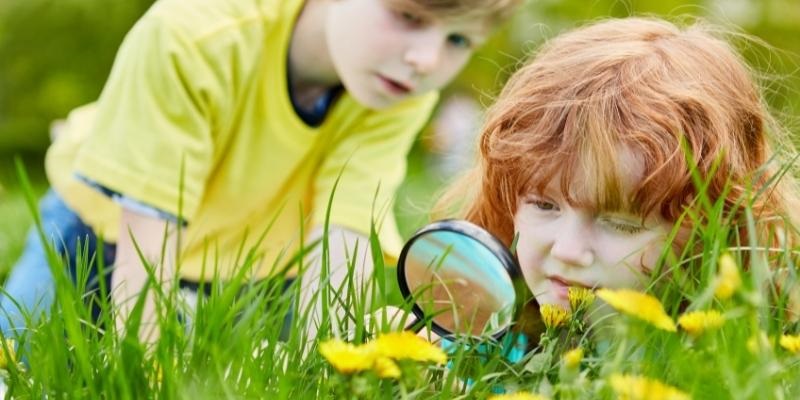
465, 228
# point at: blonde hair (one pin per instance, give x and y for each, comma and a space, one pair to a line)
676, 97
494, 11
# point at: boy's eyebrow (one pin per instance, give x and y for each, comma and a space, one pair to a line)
414, 7
480, 33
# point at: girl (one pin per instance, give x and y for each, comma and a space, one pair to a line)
588, 155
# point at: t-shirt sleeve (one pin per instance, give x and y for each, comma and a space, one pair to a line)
151, 140
370, 165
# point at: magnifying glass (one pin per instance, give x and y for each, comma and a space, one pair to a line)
460, 279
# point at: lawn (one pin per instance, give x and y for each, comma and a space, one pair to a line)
718, 335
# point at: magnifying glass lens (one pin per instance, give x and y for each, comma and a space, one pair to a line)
459, 283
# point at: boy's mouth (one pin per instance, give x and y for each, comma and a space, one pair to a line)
394, 86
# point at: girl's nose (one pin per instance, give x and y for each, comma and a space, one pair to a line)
572, 244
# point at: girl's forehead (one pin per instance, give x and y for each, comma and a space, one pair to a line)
596, 181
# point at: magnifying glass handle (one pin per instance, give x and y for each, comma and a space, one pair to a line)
418, 325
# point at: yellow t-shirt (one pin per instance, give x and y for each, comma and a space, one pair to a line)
200, 87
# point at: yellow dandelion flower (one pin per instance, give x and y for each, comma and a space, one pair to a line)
347, 358
697, 322
518, 396
554, 316
408, 346
791, 343
728, 279
572, 358
9, 357
639, 305
579, 297
386, 368
630, 387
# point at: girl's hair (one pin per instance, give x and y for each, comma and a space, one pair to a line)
679, 99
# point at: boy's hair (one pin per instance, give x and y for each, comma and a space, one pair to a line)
494, 11
678, 98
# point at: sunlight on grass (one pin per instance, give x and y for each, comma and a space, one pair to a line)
239, 346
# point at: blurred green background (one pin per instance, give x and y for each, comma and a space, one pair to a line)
55, 55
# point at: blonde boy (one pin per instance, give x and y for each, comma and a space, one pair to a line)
231, 118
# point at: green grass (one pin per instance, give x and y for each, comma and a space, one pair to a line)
15, 219
234, 347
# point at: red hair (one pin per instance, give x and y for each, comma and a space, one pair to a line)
678, 98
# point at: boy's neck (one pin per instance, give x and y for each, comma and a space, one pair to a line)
311, 70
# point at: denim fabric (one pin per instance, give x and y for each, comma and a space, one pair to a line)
29, 290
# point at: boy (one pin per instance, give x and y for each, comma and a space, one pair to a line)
233, 118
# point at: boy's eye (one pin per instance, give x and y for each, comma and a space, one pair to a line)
460, 41
411, 18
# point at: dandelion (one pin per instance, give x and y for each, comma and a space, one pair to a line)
728, 278
408, 346
518, 396
386, 368
554, 316
572, 358
579, 298
10, 356
697, 322
790, 343
639, 305
630, 387
347, 358
380, 355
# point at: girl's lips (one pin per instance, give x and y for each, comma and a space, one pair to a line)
560, 289
561, 286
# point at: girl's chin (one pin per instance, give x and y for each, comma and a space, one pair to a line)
552, 300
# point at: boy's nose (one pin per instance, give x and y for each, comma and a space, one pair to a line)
425, 54
571, 245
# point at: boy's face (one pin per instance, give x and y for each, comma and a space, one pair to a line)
387, 50
560, 246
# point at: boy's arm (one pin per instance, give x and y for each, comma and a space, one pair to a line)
345, 248
145, 234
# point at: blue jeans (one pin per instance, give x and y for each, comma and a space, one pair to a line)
29, 291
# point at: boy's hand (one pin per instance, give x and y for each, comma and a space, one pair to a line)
399, 320
156, 239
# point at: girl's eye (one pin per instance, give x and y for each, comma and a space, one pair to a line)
543, 205
626, 228
460, 41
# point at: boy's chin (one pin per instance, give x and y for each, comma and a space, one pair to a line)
376, 103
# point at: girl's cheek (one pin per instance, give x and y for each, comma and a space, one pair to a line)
650, 255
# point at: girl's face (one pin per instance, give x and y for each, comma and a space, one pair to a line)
561, 246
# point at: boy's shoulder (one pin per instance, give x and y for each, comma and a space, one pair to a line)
199, 20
